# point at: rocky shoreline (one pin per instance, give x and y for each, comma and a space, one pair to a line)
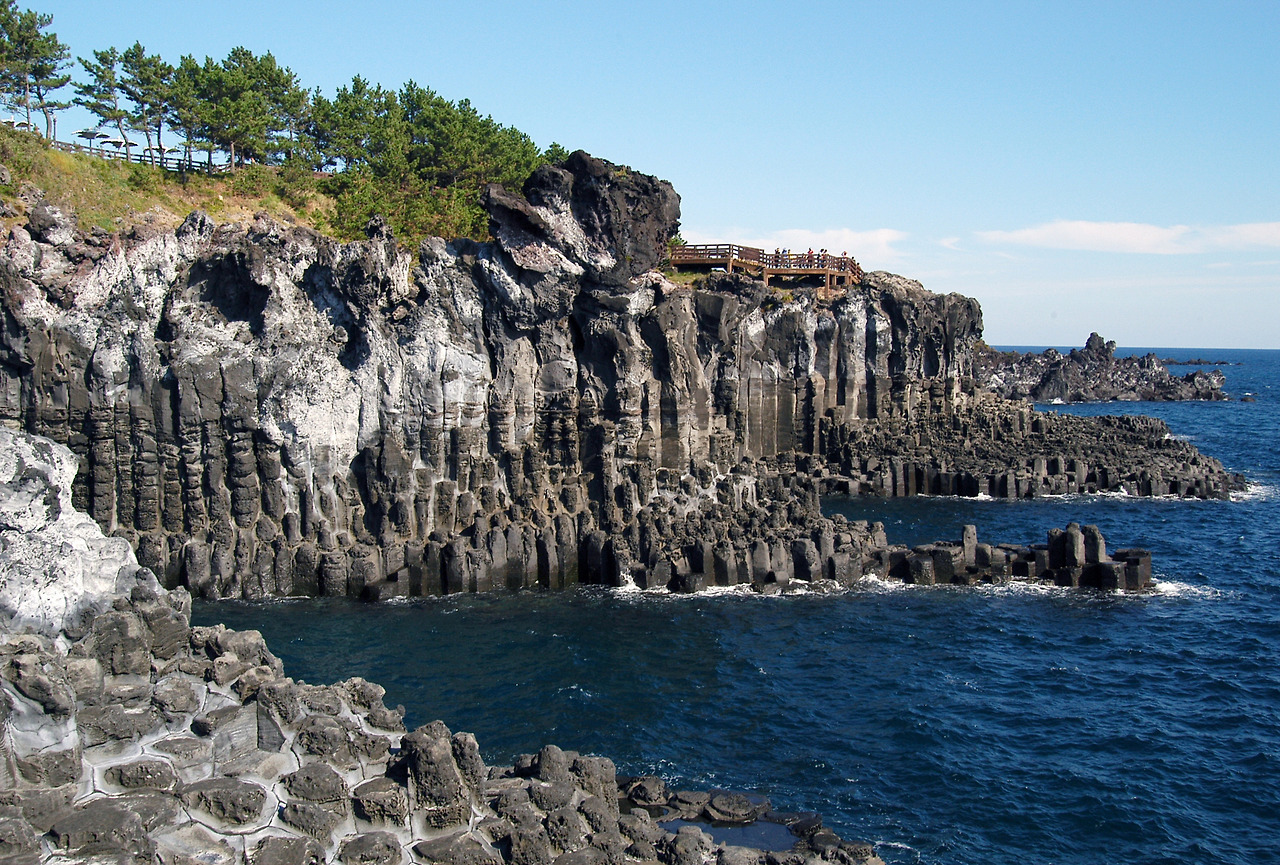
129, 736
260, 411
1092, 374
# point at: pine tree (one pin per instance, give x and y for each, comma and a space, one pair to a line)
146, 81
101, 94
185, 110
31, 63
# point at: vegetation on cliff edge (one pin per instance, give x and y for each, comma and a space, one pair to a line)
411, 155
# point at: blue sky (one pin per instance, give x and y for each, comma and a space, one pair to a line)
1075, 166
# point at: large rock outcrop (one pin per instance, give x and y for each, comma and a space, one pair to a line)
1090, 374
260, 410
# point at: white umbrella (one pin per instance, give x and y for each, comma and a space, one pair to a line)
90, 135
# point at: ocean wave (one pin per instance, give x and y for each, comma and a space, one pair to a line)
577, 690
895, 852
871, 584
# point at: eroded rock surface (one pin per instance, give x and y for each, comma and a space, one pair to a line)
260, 410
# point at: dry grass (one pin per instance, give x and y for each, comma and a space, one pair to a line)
116, 195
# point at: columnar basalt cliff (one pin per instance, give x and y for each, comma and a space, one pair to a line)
261, 410
129, 736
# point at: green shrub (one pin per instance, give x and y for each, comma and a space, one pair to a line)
143, 178
296, 185
253, 180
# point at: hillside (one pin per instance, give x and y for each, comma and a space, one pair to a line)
115, 195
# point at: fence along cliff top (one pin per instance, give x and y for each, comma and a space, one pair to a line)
839, 271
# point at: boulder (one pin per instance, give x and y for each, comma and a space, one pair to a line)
276, 850
381, 800
229, 799
371, 848
144, 774
48, 224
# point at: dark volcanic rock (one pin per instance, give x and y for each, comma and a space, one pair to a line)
611, 221
1091, 374
226, 798
256, 781
288, 851
381, 800
316, 783
102, 825
371, 848
263, 411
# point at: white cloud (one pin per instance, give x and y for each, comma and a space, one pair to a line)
1139, 237
1248, 235
952, 243
876, 245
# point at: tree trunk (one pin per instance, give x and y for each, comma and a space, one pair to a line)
128, 153
146, 132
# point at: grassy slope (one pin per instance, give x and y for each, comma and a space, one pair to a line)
115, 195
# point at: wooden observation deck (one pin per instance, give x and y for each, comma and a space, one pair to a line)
837, 271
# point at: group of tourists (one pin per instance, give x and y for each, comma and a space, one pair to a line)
820, 259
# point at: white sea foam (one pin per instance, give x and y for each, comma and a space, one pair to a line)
1175, 589
1020, 588
873, 583
897, 851
1256, 492
578, 689
740, 589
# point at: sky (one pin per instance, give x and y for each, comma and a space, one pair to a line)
1075, 166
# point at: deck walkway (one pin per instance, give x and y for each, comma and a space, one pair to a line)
838, 271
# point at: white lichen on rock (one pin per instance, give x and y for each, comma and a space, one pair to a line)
57, 569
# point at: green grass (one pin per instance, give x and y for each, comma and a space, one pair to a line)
684, 278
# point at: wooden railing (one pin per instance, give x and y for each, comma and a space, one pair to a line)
140, 156
732, 255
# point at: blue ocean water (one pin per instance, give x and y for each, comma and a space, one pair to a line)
945, 725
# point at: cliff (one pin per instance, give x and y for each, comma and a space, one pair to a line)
129, 736
261, 410
1090, 374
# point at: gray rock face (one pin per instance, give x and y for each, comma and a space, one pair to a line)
1091, 374
260, 410
57, 570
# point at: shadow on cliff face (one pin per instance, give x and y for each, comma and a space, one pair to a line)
226, 283
318, 283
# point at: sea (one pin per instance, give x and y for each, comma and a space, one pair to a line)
1009, 724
